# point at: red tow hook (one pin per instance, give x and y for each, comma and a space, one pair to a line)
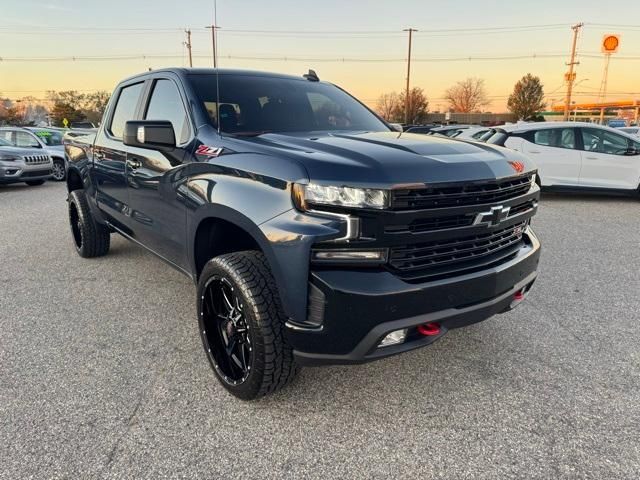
518, 297
429, 329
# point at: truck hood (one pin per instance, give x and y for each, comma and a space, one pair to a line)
384, 159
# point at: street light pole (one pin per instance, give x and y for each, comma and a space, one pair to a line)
406, 98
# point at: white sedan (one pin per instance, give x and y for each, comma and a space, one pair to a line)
576, 155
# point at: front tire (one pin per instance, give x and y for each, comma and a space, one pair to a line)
58, 171
242, 325
90, 238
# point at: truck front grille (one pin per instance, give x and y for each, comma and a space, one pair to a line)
36, 159
460, 195
465, 252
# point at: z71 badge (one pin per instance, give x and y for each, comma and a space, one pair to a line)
209, 152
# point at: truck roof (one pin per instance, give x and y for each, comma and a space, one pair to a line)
182, 71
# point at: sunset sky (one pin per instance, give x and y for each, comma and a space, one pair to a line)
35, 34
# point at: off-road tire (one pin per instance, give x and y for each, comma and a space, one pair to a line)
272, 365
90, 238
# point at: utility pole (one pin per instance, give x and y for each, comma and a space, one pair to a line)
406, 98
188, 45
571, 75
213, 28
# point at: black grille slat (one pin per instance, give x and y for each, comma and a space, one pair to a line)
430, 224
450, 196
36, 159
436, 254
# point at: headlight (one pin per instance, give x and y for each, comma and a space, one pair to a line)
312, 194
7, 157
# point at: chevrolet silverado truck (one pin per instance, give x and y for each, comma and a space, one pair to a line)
314, 233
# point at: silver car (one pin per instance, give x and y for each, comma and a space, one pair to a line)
29, 165
49, 140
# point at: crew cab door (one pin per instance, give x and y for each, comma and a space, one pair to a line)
158, 216
108, 174
609, 160
554, 152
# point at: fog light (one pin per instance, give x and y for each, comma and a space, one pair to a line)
350, 256
394, 338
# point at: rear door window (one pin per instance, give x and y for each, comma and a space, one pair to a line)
555, 137
125, 109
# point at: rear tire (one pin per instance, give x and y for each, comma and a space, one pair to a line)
34, 183
242, 325
90, 238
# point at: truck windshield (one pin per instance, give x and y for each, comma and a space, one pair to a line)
254, 104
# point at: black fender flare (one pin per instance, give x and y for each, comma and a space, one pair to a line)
236, 218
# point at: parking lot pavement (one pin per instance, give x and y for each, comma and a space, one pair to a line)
102, 373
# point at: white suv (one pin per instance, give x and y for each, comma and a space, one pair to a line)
576, 155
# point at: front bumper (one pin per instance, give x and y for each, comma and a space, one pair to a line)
361, 307
16, 172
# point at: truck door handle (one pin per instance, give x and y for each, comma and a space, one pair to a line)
534, 151
591, 158
134, 164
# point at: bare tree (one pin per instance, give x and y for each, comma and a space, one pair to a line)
388, 105
467, 96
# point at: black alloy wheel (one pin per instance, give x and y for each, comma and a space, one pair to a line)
226, 330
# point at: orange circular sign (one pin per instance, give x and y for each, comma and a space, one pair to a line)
610, 43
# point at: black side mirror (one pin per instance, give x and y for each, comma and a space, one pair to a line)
152, 134
632, 151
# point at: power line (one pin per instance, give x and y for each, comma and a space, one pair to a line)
286, 58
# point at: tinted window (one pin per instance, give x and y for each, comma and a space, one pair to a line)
602, 141
555, 137
125, 108
254, 104
166, 104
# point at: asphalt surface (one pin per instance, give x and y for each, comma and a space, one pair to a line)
102, 373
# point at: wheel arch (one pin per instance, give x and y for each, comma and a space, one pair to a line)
218, 229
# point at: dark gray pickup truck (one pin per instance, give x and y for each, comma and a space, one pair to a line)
314, 232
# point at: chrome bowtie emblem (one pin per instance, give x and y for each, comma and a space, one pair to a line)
493, 217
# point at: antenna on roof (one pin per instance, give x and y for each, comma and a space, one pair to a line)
312, 76
215, 64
